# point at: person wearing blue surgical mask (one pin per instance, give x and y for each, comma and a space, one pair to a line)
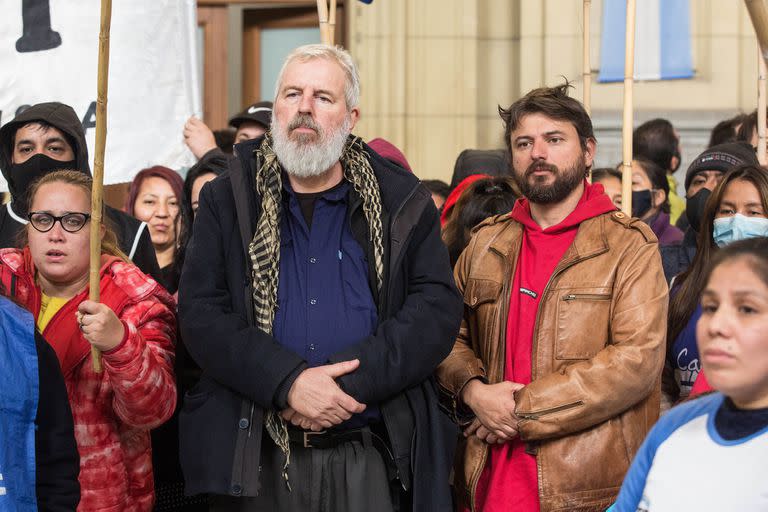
735, 210
740, 215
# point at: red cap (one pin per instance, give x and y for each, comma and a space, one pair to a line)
450, 201
390, 152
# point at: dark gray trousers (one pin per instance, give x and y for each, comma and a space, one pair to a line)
351, 477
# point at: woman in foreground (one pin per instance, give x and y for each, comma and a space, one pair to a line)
710, 453
133, 326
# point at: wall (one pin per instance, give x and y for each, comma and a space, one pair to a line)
434, 71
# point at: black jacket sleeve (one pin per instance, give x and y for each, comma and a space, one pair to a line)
408, 346
57, 459
212, 307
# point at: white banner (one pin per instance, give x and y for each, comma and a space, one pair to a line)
49, 52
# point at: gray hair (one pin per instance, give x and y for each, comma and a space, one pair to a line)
333, 53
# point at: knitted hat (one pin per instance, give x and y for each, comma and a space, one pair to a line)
722, 157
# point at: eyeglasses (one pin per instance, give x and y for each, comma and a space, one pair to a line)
70, 222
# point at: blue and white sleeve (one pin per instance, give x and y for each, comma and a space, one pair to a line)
631, 495
634, 483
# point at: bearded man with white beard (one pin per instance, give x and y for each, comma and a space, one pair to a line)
317, 298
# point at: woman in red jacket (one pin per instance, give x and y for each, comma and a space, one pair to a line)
133, 326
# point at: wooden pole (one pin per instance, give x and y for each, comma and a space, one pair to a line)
587, 64
629, 72
758, 13
586, 72
322, 14
761, 112
98, 163
332, 22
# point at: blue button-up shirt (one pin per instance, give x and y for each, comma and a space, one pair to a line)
324, 300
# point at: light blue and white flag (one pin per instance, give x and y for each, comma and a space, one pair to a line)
662, 40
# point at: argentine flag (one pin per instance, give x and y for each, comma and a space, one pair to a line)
662, 40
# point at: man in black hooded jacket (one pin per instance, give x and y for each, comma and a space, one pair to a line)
53, 139
317, 295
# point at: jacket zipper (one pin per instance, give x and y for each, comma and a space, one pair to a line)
534, 415
243, 465
535, 345
505, 297
385, 310
585, 296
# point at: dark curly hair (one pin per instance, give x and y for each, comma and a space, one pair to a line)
482, 199
553, 102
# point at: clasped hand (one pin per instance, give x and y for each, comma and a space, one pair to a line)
494, 409
315, 400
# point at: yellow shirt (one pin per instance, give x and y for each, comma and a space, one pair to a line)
676, 203
49, 306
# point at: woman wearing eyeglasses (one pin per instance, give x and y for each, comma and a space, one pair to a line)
133, 326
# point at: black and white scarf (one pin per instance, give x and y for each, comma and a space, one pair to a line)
264, 249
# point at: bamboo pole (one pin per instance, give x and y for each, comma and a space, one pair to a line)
98, 163
629, 72
761, 112
587, 64
332, 22
586, 71
322, 14
758, 13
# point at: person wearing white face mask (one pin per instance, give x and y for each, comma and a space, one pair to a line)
736, 210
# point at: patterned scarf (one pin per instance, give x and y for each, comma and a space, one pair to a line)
264, 249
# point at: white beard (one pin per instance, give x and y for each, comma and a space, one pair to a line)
306, 158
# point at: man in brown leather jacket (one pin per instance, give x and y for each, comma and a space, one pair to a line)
555, 372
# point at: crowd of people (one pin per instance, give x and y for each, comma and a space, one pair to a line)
301, 324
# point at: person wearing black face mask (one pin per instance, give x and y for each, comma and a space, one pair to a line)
701, 178
658, 141
650, 200
22, 175
48, 137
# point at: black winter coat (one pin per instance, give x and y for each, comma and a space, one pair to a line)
57, 461
676, 258
244, 368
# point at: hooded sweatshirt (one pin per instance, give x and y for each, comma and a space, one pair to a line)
510, 478
131, 233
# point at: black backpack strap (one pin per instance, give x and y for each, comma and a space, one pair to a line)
240, 191
245, 466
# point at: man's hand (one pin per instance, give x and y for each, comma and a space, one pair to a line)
198, 137
300, 421
477, 429
317, 398
494, 407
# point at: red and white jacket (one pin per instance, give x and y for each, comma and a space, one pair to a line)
113, 411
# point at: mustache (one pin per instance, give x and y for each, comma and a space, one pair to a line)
541, 166
304, 121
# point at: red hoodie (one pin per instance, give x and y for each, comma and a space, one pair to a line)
510, 480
